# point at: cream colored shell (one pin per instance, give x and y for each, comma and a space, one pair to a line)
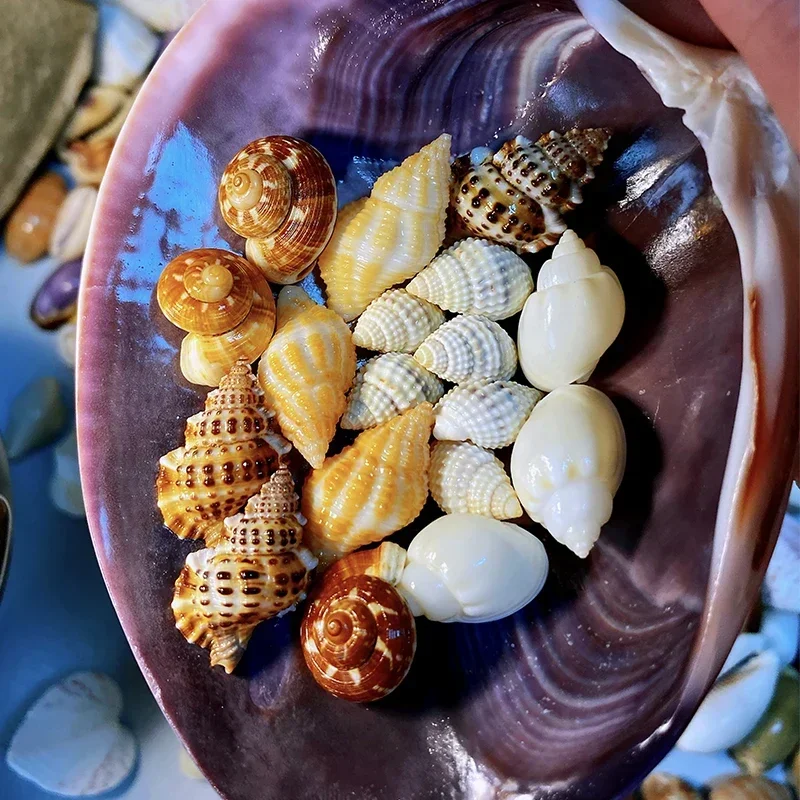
466, 479
396, 322
573, 287
386, 386
468, 348
487, 413
475, 277
567, 464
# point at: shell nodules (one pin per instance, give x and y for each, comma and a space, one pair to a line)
358, 637
280, 194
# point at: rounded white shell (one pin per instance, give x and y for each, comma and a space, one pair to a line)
567, 464
468, 348
572, 318
475, 276
125, 47
386, 386
467, 568
466, 479
396, 322
71, 742
71, 229
487, 413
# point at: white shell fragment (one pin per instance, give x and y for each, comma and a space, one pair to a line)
37, 416
71, 742
466, 479
487, 413
71, 229
126, 47
467, 568
567, 464
782, 581
396, 322
386, 386
571, 319
67, 343
65, 485
163, 15
475, 276
468, 348
734, 705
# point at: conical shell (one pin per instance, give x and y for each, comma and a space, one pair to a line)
396, 322
374, 487
468, 348
258, 570
396, 233
386, 386
229, 453
475, 277
487, 413
306, 371
466, 479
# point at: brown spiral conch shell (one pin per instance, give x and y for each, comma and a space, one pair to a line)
358, 634
280, 194
229, 452
258, 570
226, 306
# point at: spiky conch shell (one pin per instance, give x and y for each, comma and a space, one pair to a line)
487, 413
306, 371
394, 235
258, 570
371, 489
396, 322
280, 194
466, 479
229, 452
386, 386
468, 348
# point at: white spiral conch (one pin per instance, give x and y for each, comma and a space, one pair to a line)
571, 319
567, 464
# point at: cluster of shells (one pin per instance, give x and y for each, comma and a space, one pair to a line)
424, 276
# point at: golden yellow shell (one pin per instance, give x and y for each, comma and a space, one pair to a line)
358, 637
374, 487
306, 371
229, 453
280, 194
396, 232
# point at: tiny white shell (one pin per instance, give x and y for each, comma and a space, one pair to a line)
468, 348
487, 413
475, 276
466, 479
71, 742
126, 47
386, 386
71, 229
65, 485
396, 322
163, 15
734, 706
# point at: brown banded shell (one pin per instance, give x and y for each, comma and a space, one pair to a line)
280, 194
661, 786
749, 787
358, 637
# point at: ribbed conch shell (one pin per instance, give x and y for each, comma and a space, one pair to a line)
306, 371
372, 488
396, 322
567, 464
386, 386
280, 194
229, 453
259, 569
358, 635
748, 787
487, 413
572, 286
661, 786
552, 170
395, 234
225, 304
466, 479
468, 348
475, 277
486, 204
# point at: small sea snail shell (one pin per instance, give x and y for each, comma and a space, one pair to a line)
358, 636
280, 194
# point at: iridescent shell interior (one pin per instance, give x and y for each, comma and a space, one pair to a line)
576, 696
